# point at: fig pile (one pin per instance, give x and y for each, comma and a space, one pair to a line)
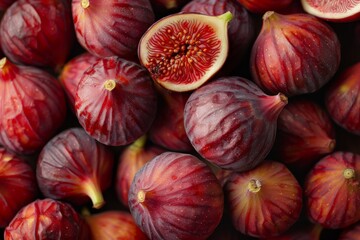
179, 119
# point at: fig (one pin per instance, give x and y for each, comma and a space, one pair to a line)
262, 6
265, 201
73, 167
350, 233
241, 28
184, 50
332, 190
32, 109
5, 4
176, 196
47, 219
294, 54
131, 159
232, 123
114, 224
341, 99
112, 27
116, 101
17, 178
38, 33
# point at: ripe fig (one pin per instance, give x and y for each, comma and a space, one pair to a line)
294, 54
18, 185
131, 159
262, 6
232, 123
184, 50
116, 101
47, 219
112, 27
38, 33
265, 201
114, 224
32, 109
350, 233
74, 167
241, 28
176, 196
341, 99
332, 190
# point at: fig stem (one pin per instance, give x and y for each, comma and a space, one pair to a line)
141, 196
139, 143
349, 173
95, 194
267, 15
254, 185
2, 62
226, 16
85, 3
110, 84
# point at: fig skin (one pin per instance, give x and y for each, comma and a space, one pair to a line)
112, 27
332, 190
176, 196
114, 224
5, 4
38, 33
17, 178
341, 99
74, 167
294, 54
350, 233
47, 219
262, 6
116, 101
265, 201
232, 123
131, 159
33, 107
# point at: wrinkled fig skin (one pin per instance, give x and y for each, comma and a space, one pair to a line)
114, 225
232, 123
74, 167
262, 6
176, 196
332, 190
112, 27
116, 101
47, 219
351, 233
30, 35
241, 28
294, 54
342, 101
18, 185
32, 109
265, 201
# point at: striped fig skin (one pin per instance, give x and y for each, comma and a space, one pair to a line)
111, 27
265, 201
120, 115
294, 54
332, 190
262, 6
232, 123
176, 196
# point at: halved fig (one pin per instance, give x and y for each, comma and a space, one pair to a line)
184, 50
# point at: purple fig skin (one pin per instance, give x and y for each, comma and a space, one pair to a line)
294, 54
74, 167
232, 123
38, 33
176, 196
18, 185
32, 109
47, 219
116, 101
112, 27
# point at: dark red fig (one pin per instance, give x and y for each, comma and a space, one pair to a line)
184, 50
116, 101
176, 196
131, 159
74, 167
111, 27
294, 54
332, 190
47, 219
342, 100
32, 109
350, 233
265, 201
18, 185
262, 6
232, 123
37, 33
113, 224
4, 4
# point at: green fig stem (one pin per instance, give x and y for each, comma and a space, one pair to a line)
269, 15
3, 62
254, 185
94, 192
110, 84
85, 3
141, 196
226, 16
349, 173
139, 143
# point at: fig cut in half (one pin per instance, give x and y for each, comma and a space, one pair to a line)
184, 50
